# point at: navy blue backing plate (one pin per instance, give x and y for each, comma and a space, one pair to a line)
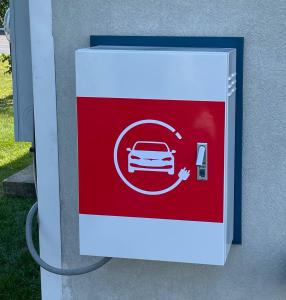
200, 42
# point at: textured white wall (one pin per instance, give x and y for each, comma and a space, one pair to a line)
255, 270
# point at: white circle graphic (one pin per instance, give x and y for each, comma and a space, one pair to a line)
182, 175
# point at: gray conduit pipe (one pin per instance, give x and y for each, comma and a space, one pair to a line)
33, 251
43, 264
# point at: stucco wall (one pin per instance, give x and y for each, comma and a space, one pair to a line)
255, 270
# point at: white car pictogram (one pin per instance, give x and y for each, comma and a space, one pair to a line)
151, 156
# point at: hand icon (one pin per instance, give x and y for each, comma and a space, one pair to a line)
184, 174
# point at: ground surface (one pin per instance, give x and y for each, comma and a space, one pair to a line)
19, 275
13, 156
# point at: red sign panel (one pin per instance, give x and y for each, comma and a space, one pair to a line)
137, 158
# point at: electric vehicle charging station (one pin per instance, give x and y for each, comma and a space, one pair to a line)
255, 270
156, 152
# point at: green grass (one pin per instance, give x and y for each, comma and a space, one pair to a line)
19, 275
13, 156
